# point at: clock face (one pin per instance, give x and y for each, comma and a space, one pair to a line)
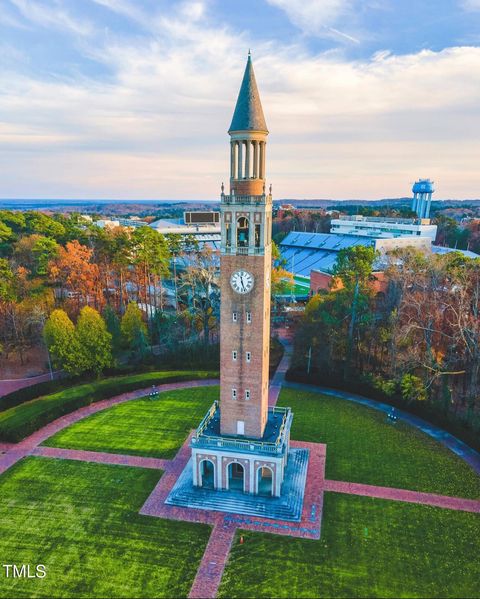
241, 281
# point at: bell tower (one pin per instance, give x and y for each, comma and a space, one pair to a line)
245, 264
242, 444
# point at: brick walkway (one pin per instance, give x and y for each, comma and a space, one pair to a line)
443, 501
101, 457
279, 377
210, 571
10, 385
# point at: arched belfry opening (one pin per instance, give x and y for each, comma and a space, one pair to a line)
243, 230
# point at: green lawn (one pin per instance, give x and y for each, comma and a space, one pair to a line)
363, 447
369, 548
148, 427
19, 421
81, 520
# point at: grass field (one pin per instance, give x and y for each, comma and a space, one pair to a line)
363, 447
369, 548
19, 421
147, 427
81, 520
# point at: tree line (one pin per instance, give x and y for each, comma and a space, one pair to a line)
411, 334
58, 261
51, 262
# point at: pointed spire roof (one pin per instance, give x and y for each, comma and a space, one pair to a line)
248, 115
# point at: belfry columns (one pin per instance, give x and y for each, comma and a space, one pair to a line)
253, 166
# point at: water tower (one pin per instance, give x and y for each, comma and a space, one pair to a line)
422, 197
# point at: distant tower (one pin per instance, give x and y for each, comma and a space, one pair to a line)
422, 197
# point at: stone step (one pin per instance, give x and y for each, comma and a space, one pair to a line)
287, 507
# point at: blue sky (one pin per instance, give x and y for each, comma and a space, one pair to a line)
132, 98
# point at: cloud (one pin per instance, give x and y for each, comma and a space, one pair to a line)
128, 9
316, 17
157, 126
52, 16
470, 5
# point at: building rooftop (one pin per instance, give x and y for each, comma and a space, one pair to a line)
306, 251
272, 443
248, 114
437, 249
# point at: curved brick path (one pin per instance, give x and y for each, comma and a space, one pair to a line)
27, 446
9, 385
279, 377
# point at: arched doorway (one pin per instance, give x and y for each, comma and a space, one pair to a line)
265, 481
242, 232
236, 477
207, 474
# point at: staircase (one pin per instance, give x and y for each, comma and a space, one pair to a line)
287, 507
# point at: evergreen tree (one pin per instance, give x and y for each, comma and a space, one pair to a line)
113, 327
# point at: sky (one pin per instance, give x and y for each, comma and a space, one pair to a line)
132, 99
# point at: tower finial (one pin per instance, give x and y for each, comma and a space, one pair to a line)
249, 53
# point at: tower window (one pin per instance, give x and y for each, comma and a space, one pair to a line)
240, 427
234, 355
249, 317
234, 316
234, 393
228, 240
248, 356
257, 236
247, 393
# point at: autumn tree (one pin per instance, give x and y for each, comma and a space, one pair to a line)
93, 343
151, 260
59, 335
132, 326
73, 268
35, 252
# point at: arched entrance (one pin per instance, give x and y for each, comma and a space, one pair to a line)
265, 481
207, 474
236, 477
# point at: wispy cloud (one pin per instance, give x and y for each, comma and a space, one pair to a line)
52, 15
471, 5
128, 9
316, 17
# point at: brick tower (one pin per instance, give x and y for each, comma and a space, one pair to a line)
246, 216
242, 444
